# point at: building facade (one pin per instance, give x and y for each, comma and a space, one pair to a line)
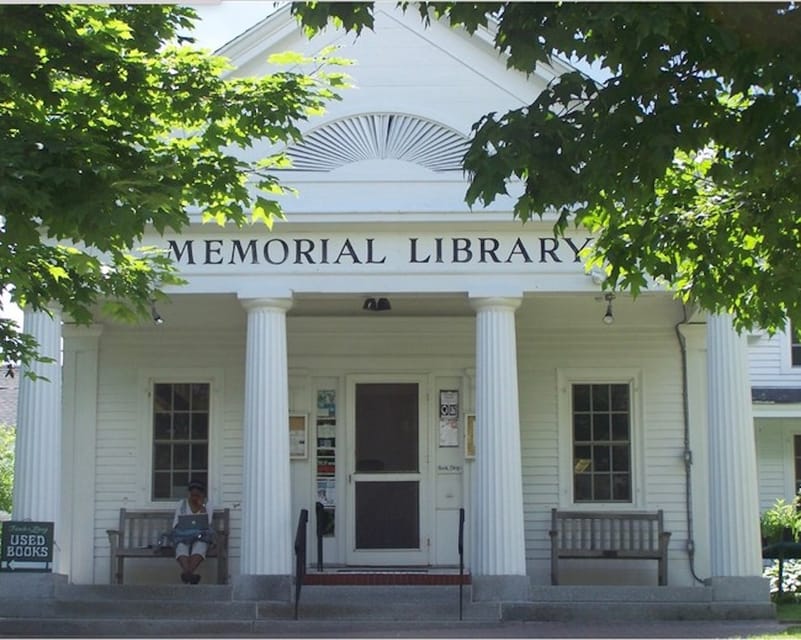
394, 356
775, 373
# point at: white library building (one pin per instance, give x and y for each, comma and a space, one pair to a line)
386, 357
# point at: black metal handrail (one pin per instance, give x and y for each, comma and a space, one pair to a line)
319, 512
461, 558
300, 556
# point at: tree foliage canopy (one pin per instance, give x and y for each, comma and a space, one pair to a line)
111, 121
682, 157
7, 434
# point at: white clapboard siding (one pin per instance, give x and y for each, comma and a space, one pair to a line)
769, 361
656, 355
775, 464
332, 348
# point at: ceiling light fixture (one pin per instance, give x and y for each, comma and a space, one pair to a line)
381, 304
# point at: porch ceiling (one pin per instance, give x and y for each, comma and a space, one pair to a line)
576, 309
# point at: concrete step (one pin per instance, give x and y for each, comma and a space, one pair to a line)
412, 602
617, 594
634, 611
129, 609
170, 593
243, 629
188, 603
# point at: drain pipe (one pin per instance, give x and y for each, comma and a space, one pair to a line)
688, 454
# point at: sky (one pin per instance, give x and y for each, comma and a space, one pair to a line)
221, 21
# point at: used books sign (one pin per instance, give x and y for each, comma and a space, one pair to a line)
27, 546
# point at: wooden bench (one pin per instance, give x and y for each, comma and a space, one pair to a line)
138, 537
608, 534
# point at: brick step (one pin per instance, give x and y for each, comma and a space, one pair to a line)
379, 577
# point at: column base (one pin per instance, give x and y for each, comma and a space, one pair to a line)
753, 589
267, 588
513, 588
30, 585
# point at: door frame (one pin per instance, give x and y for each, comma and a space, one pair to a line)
388, 557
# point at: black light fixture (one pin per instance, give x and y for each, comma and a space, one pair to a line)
371, 304
609, 318
154, 313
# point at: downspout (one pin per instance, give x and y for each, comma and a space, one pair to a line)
688, 454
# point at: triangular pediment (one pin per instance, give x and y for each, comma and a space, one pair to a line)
416, 93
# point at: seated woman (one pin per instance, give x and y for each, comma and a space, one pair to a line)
190, 554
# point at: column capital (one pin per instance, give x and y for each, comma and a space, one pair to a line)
488, 302
252, 304
71, 330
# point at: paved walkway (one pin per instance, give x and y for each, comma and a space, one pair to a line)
690, 629
412, 629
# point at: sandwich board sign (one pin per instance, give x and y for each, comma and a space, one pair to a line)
27, 546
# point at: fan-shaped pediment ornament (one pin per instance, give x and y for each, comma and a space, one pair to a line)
379, 136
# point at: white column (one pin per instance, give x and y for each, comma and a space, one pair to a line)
733, 500
498, 538
79, 428
37, 454
266, 500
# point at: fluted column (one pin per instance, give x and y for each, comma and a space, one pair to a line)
266, 500
498, 540
37, 454
733, 500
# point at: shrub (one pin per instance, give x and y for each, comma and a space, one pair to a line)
6, 467
780, 517
791, 579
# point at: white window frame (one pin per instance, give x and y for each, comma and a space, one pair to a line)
786, 341
566, 378
212, 377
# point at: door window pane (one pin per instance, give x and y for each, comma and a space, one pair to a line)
387, 515
387, 439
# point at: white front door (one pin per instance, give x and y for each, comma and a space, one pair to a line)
387, 471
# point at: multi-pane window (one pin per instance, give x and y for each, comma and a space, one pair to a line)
601, 442
795, 346
180, 437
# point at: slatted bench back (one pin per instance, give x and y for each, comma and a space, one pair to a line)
631, 534
139, 533
608, 534
142, 529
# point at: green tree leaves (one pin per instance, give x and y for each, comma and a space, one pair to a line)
111, 123
6, 467
682, 157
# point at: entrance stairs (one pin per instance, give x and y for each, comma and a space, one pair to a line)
212, 610
209, 610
